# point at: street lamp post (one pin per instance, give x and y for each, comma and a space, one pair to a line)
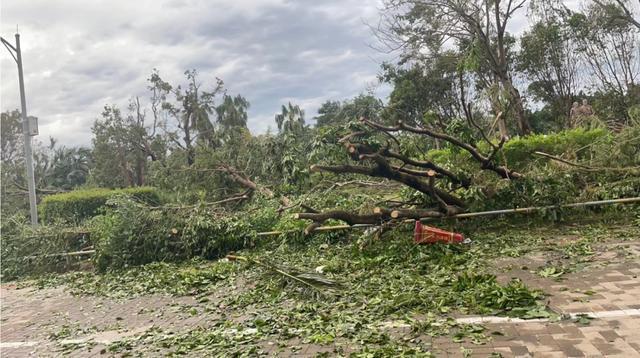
17, 55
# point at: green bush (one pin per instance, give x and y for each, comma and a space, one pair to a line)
518, 152
31, 251
78, 205
128, 234
548, 182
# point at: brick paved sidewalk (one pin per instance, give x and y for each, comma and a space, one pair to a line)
610, 294
37, 322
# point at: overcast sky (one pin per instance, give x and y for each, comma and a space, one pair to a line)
80, 55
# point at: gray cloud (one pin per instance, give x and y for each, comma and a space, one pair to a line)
80, 55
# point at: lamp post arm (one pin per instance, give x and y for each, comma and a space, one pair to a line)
10, 47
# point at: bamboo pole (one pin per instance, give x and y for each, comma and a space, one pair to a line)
539, 208
65, 254
476, 214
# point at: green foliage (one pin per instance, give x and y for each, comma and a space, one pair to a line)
121, 145
333, 113
612, 106
517, 153
634, 115
79, 205
608, 43
55, 168
548, 58
129, 233
291, 119
483, 293
384, 282
549, 182
28, 251
425, 90
188, 278
66, 168
548, 188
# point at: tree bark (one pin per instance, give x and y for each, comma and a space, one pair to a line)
486, 162
387, 172
242, 179
356, 149
524, 127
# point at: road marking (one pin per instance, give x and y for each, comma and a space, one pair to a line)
497, 319
389, 324
18, 344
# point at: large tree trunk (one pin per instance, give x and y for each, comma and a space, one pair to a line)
524, 128
384, 171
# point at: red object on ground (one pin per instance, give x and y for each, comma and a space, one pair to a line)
424, 234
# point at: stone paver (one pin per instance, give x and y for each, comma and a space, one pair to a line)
610, 293
32, 319
32, 315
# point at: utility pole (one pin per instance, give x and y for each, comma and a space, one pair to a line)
28, 154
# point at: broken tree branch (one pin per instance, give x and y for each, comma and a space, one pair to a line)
243, 180
428, 165
213, 203
483, 160
385, 171
350, 218
408, 213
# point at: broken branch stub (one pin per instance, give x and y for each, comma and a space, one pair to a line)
350, 218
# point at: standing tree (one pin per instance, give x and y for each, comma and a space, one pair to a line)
11, 134
478, 27
333, 113
11, 155
122, 146
232, 112
410, 100
232, 119
621, 10
290, 119
548, 58
289, 147
62, 168
609, 45
190, 112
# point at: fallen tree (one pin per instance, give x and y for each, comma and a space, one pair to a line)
374, 159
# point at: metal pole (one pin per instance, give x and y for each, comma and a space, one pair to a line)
27, 140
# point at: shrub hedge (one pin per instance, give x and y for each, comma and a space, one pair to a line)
78, 205
517, 152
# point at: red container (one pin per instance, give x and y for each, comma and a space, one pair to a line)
423, 234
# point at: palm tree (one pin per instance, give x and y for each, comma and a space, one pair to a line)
68, 167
